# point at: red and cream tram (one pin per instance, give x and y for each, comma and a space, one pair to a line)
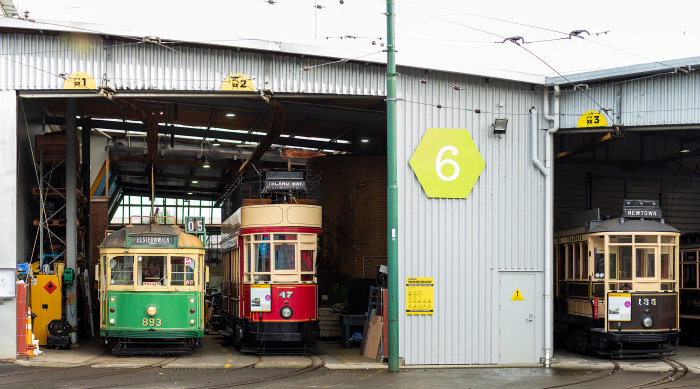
270, 292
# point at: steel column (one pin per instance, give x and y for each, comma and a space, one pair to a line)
71, 214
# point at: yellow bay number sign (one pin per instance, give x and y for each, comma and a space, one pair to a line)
237, 82
447, 163
592, 119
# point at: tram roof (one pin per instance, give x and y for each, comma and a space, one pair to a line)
117, 239
631, 225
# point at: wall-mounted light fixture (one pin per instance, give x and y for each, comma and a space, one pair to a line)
499, 126
230, 114
364, 140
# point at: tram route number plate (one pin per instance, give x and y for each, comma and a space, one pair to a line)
620, 306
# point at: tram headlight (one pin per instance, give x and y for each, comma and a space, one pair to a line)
286, 312
647, 321
151, 310
111, 321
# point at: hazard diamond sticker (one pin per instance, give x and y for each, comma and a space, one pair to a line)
50, 287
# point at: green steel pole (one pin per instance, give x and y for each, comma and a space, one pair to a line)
392, 192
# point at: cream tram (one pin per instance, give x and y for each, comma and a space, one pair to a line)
616, 284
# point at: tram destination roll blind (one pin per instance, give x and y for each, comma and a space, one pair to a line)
151, 241
641, 209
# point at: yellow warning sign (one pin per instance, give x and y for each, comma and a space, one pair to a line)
237, 82
517, 296
419, 296
80, 80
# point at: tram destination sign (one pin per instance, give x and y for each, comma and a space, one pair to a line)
151, 241
641, 209
284, 181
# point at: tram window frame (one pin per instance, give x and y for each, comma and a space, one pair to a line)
645, 261
128, 281
670, 259
141, 276
569, 262
188, 272
585, 271
690, 261
577, 261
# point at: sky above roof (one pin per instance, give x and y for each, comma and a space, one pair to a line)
543, 38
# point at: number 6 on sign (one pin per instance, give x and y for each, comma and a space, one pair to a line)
447, 163
439, 163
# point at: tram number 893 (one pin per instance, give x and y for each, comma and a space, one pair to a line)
646, 301
151, 322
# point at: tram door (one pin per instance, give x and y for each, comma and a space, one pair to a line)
516, 304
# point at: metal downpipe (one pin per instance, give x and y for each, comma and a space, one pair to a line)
549, 224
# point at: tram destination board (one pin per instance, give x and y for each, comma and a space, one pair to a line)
284, 181
638, 209
151, 240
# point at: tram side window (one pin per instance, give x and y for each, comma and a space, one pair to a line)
122, 270
307, 264
613, 266
599, 263
285, 256
151, 271
690, 275
584, 260
668, 262
645, 262
577, 261
570, 261
182, 271
625, 262
261, 258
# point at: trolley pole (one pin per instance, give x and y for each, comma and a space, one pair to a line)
392, 192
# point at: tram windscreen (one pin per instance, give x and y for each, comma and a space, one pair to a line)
182, 271
625, 262
151, 271
645, 262
284, 256
121, 270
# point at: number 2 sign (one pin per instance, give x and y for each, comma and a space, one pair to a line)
447, 163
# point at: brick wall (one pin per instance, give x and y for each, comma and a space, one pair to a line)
354, 217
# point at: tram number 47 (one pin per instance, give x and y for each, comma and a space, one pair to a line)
646, 302
286, 295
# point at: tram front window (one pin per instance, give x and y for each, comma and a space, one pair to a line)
121, 270
645, 262
182, 271
625, 254
284, 256
151, 271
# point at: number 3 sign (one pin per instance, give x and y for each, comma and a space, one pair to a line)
447, 163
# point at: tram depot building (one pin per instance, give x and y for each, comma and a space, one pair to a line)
486, 164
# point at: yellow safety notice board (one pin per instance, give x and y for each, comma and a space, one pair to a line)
45, 300
419, 296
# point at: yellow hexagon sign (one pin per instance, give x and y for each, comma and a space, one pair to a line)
447, 163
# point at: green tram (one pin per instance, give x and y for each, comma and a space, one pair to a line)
151, 290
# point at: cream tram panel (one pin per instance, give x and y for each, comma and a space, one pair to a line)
296, 215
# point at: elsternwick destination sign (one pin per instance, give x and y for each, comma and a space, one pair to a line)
151, 241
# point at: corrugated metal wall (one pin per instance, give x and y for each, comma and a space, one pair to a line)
31, 61
464, 243
665, 99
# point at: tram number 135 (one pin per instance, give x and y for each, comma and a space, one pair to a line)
646, 301
151, 322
